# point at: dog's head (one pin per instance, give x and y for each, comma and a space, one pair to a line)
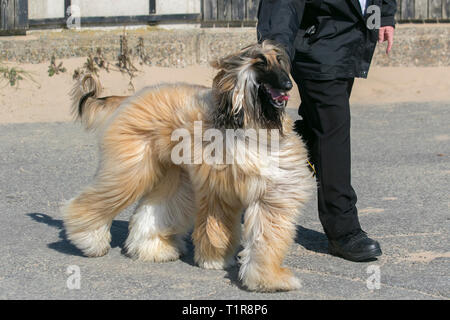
251, 88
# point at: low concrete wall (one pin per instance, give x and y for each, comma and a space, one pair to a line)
415, 45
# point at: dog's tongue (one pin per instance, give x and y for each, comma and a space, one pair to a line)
277, 95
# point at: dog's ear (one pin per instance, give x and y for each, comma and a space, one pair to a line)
225, 118
224, 115
232, 88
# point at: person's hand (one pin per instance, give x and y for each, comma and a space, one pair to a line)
386, 34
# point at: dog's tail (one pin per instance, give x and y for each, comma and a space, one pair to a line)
91, 110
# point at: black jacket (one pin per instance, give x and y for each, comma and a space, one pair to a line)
326, 39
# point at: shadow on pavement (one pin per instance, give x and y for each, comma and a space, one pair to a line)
119, 232
312, 240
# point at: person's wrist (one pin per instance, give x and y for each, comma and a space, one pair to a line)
388, 21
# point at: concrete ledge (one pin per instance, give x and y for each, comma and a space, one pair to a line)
415, 45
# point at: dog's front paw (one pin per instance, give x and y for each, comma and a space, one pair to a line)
280, 279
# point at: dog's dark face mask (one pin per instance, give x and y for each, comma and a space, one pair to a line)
273, 79
272, 75
274, 85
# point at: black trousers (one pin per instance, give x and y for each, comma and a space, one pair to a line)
325, 128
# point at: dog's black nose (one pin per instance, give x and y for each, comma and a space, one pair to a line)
287, 85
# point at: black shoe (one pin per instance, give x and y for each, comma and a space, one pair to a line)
356, 246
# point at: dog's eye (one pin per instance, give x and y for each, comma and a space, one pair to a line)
262, 61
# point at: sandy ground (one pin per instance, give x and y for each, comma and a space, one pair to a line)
48, 100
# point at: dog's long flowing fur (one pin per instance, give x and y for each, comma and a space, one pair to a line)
136, 165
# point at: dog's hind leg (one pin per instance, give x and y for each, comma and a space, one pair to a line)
123, 177
162, 219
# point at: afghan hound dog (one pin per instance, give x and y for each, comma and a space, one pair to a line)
140, 152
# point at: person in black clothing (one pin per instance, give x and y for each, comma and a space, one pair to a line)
330, 42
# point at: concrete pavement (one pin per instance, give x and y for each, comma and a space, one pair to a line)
401, 172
